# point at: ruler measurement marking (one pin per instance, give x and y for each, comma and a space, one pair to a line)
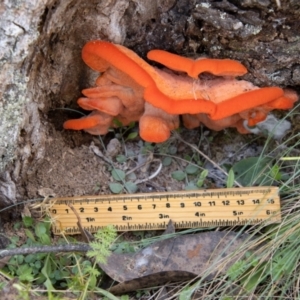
109, 201
186, 209
147, 226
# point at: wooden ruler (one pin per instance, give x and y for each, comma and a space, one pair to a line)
187, 209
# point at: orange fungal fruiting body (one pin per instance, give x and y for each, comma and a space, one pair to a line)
129, 89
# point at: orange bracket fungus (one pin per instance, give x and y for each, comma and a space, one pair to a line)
129, 89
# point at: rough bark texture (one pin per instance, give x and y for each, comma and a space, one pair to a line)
41, 71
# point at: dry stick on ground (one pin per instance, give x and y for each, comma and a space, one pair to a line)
52, 249
153, 174
84, 233
45, 249
205, 156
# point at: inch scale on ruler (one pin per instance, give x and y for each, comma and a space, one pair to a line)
187, 209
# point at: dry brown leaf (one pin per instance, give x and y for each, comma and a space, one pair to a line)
184, 255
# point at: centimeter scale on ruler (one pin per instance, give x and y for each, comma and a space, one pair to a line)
187, 209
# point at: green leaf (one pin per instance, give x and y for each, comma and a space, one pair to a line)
14, 240
47, 223
275, 172
121, 158
131, 125
148, 147
131, 187
251, 281
167, 161
172, 150
191, 169
41, 256
20, 259
107, 294
191, 186
101, 245
38, 264
236, 270
178, 175
186, 293
30, 258
132, 136
27, 221
87, 266
253, 170
45, 239
92, 282
131, 176
118, 174
116, 188
25, 273
230, 179
46, 271
40, 229
187, 157
202, 178
117, 123
30, 235
17, 225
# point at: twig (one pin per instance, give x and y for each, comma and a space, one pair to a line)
45, 249
153, 174
147, 162
84, 233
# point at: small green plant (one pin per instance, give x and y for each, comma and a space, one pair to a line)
124, 130
251, 271
257, 171
201, 178
193, 175
46, 269
120, 176
101, 246
56, 272
230, 179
